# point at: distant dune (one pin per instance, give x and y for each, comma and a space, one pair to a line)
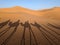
18, 9
53, 13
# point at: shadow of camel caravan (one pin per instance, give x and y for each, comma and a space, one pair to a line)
2, 24
15, 24
47, 34
47, 37
27, 25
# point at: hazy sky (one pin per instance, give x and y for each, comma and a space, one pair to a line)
31, 4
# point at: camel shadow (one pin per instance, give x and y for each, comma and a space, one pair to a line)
48, 27
42, 29
3, 24
53, 26
27, 25
15, 24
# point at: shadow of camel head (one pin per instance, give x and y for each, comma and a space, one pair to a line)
11, 24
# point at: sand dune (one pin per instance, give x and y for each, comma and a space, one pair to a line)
21, 26
53, 13
18, 9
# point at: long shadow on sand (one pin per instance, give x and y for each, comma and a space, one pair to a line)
47, 37
57, 27
15, 24
3, 24
27, 25
51, 29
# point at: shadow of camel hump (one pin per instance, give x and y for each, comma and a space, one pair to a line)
47, 37
27, 25
15, 24
3, 24
36, 24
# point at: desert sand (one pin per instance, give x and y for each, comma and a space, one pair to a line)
22, 26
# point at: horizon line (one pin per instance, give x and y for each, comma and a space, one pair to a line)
30, 8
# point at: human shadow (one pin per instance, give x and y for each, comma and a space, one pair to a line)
42, 29
4, 23
15, 24
57, 27
27, 25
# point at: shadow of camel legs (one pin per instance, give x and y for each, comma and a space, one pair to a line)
44, 34
27, 25
23, 38
16, 24
4, 31
51, 30
3, 24
33, 36
8, 38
